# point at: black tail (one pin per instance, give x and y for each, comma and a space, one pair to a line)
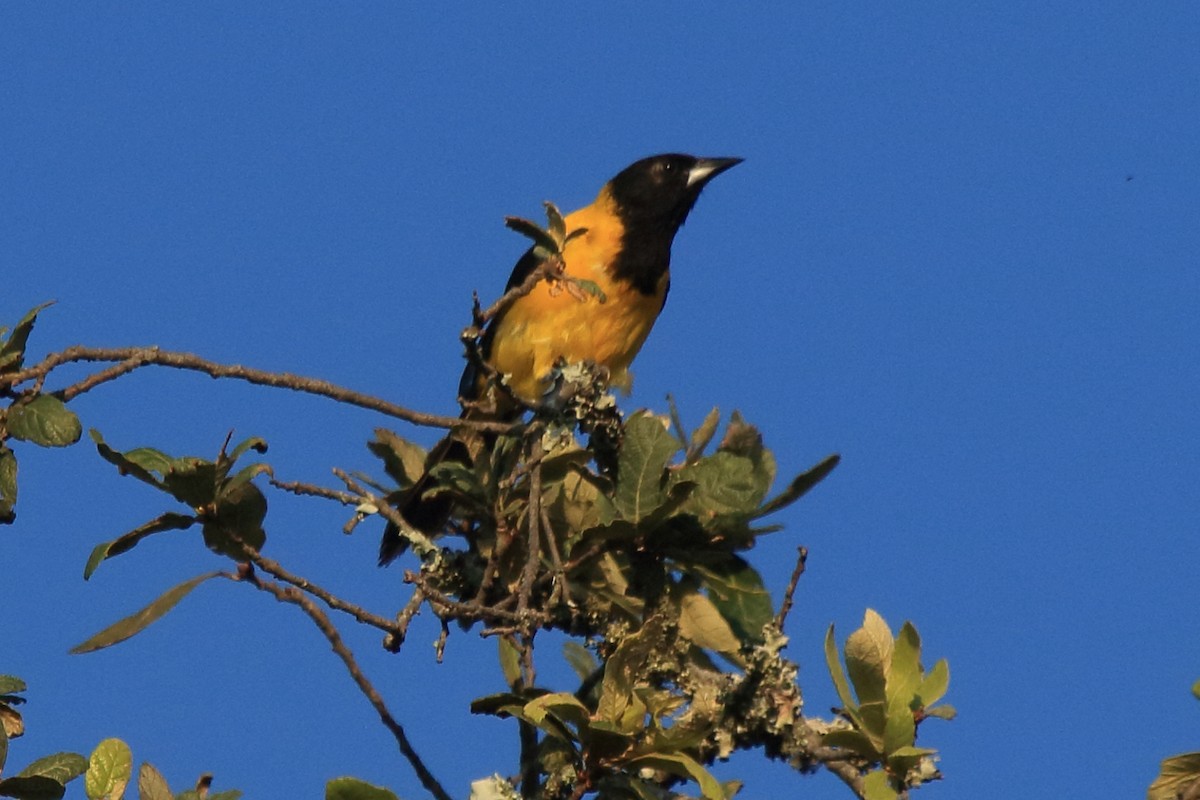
427, 515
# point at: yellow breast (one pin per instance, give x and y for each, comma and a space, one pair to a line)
552, 323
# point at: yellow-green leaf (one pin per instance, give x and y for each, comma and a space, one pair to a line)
877, 787
109, 770
869, 657
685, 767
702, 623
834, 663
510, 660
935, 683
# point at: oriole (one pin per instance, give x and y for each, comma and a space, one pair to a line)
626, 252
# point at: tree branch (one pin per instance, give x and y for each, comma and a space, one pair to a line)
130, 358
293, 595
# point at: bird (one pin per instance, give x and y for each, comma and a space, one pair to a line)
624, 250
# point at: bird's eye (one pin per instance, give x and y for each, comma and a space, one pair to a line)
668, 166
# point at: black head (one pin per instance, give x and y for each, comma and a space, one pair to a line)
659, 191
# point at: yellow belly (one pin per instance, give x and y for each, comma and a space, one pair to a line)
552, 323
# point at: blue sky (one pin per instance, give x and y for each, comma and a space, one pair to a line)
962, 252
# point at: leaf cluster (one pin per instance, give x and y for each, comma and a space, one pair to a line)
887, 695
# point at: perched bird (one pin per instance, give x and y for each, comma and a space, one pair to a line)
626, 252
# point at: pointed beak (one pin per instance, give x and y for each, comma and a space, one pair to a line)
708, 168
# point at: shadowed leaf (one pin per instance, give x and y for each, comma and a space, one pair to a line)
8, 485
136, 623
799, 486
126, 542
403, 461
238, 519
12, 348
152, 785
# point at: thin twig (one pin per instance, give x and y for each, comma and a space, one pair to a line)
534, 522
786, 606
328, 598
295, 596
312, 490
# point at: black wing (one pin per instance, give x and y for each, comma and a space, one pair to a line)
468, 385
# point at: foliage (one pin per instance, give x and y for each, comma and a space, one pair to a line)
106, 773
628, 534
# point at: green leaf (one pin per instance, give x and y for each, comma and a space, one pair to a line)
702, 624
645, 452
255, 443
737, 590
727, 483
8, 485
1175, 776
152, 785
138, 463
799, 486
1195, 688
502, 704
12, 349
685, 767
192, 481
62, 767
580, 659
510, 660
900, 728
45, 420
354, 789
238, 519
703, 435
854, 740
109, 770
135, 623
935, 683
904, 676
877, 787
834, 663
126, 542
243, 476
403, 461
11, 684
